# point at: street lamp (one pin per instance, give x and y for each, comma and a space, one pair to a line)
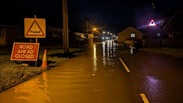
103, 35
103, 32
93, 29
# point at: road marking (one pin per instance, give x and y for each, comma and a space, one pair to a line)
124, 65
144, 98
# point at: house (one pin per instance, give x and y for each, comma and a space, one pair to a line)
174, 26
81, 35
128, 35
54, 32
90, 36
9, 34
55, 37
170, 34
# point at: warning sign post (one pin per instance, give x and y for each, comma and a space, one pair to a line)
34, 28
25, 51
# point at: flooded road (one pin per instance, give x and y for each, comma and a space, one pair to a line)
95, 76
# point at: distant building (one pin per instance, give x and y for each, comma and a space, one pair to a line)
9, 34
174, 26
81, 35
129, 33
54, 32
55, 36
130, 37
90, 36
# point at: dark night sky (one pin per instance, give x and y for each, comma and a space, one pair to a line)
113, 15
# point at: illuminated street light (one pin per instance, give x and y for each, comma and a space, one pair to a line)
104, 32
94, 29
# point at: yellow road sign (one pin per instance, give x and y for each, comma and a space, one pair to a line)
34, 28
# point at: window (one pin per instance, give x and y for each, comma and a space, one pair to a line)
2, 32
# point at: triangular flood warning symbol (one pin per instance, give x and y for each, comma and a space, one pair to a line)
152, 23
35, 29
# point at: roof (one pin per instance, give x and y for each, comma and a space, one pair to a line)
130, 28
9, 26
175, 22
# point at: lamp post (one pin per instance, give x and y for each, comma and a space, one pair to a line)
103, 32
103, 35
94, 29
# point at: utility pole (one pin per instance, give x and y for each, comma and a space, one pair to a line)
87, 28
65, 27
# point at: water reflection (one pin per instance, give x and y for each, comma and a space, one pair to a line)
94, 58
104, 54
29, 91
109, 49
153, 84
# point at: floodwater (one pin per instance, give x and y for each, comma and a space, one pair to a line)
95, 76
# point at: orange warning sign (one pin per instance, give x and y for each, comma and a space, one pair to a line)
34, 28
25, 51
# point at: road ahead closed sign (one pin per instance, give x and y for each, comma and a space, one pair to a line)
25, 51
